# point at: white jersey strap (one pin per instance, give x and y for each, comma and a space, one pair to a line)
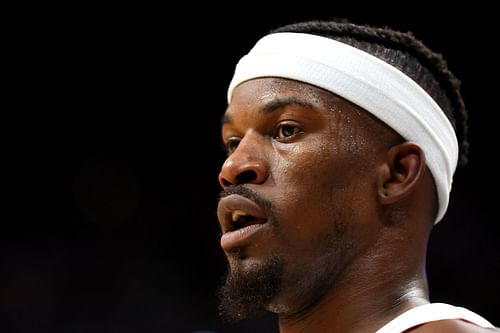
432, 312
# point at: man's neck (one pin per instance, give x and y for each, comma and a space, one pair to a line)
356, 310
364, 300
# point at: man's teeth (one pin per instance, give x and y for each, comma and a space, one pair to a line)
237, 214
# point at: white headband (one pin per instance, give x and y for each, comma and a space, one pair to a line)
366, 81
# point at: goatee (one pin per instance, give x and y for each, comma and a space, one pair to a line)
248, 291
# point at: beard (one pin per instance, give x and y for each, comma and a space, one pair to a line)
280, 283
282, 287
247, 293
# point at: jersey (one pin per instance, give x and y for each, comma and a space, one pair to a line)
431, 312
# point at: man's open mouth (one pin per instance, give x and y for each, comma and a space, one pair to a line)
239, 217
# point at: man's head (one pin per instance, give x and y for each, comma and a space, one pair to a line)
318, 191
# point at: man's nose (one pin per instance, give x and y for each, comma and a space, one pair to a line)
246, 165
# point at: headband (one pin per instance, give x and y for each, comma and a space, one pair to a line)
366, 81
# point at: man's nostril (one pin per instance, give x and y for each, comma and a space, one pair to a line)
225, 182
246, 177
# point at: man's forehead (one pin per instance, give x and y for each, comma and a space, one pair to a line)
271, 93
273, 87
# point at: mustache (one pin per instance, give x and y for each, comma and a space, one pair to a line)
247, 193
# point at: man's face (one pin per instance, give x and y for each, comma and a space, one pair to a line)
299, 189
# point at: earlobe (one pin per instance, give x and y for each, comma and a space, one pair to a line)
401, 172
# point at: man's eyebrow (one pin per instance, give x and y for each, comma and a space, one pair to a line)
226, 119
279, 103
273, 106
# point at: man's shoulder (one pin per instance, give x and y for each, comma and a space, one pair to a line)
451, 326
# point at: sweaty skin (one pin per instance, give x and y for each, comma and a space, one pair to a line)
351, 207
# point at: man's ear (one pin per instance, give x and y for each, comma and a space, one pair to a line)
400, 173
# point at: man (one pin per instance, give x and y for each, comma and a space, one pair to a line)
342, 142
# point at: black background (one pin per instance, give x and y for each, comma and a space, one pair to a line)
110, 138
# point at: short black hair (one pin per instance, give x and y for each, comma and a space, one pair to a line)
403, 51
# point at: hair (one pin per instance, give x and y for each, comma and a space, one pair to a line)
408, 54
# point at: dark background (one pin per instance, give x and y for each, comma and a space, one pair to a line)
110, 139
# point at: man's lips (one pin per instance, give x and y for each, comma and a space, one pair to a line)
240, 218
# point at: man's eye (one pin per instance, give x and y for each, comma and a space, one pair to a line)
231, 145
285, 131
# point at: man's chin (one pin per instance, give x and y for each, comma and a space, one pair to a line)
249, 287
